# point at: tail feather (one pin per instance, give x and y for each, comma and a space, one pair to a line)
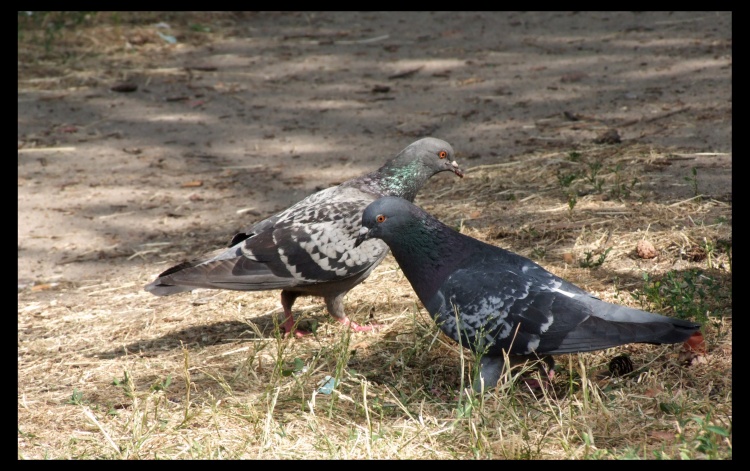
618, 313
158, 288
597, 334
237, 273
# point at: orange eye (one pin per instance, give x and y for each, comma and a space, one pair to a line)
442, 154
380, 218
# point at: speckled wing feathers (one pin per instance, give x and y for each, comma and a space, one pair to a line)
314, 239
310, 242
506, 309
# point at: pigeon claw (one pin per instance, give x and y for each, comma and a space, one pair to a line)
298, 333
533, 383
356, 327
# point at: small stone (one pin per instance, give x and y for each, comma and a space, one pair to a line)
645, 249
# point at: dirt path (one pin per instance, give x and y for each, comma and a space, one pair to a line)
229, 125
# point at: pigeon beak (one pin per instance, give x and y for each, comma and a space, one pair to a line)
456, 169
364, 234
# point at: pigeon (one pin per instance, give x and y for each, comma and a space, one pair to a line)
308, 249
500, 304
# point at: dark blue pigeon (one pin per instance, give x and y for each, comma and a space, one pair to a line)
308, 249
501, 302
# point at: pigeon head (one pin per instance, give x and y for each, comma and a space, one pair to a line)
384, 218
406, 173
424, 248
433, 154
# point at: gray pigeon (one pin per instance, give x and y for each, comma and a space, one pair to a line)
308, 249
500, 301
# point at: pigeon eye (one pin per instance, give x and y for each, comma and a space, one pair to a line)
442, 154
380, 218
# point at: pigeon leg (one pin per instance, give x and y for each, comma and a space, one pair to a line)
287, 300
491, 368
546, 369
335, 305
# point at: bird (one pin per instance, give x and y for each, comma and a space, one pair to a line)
308, 249
500, 304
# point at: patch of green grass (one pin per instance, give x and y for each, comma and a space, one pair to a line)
49, 24
298, 367
76, 398
566, 179
538, 253
572, 200
706, 441
619, 180
689, 294
592, 176
692, 179
200, 28
125, 382
726, 246
162, 385
620, 188
590, 262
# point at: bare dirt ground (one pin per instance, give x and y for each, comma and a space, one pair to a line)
146, 139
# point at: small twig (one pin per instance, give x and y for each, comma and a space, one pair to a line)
704, 154
91, 417
515, 162
653, 118
46, 149
243, 167
685, 201
239, 350
364, 41
107, 216
530, 197
142, 253
408, 73
487, 166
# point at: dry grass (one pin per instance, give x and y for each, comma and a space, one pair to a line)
108, 371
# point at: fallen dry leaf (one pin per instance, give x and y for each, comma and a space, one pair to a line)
44, 286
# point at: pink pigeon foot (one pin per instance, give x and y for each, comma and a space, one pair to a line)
358, 328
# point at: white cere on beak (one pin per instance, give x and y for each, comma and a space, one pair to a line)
363, 230
454, 163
